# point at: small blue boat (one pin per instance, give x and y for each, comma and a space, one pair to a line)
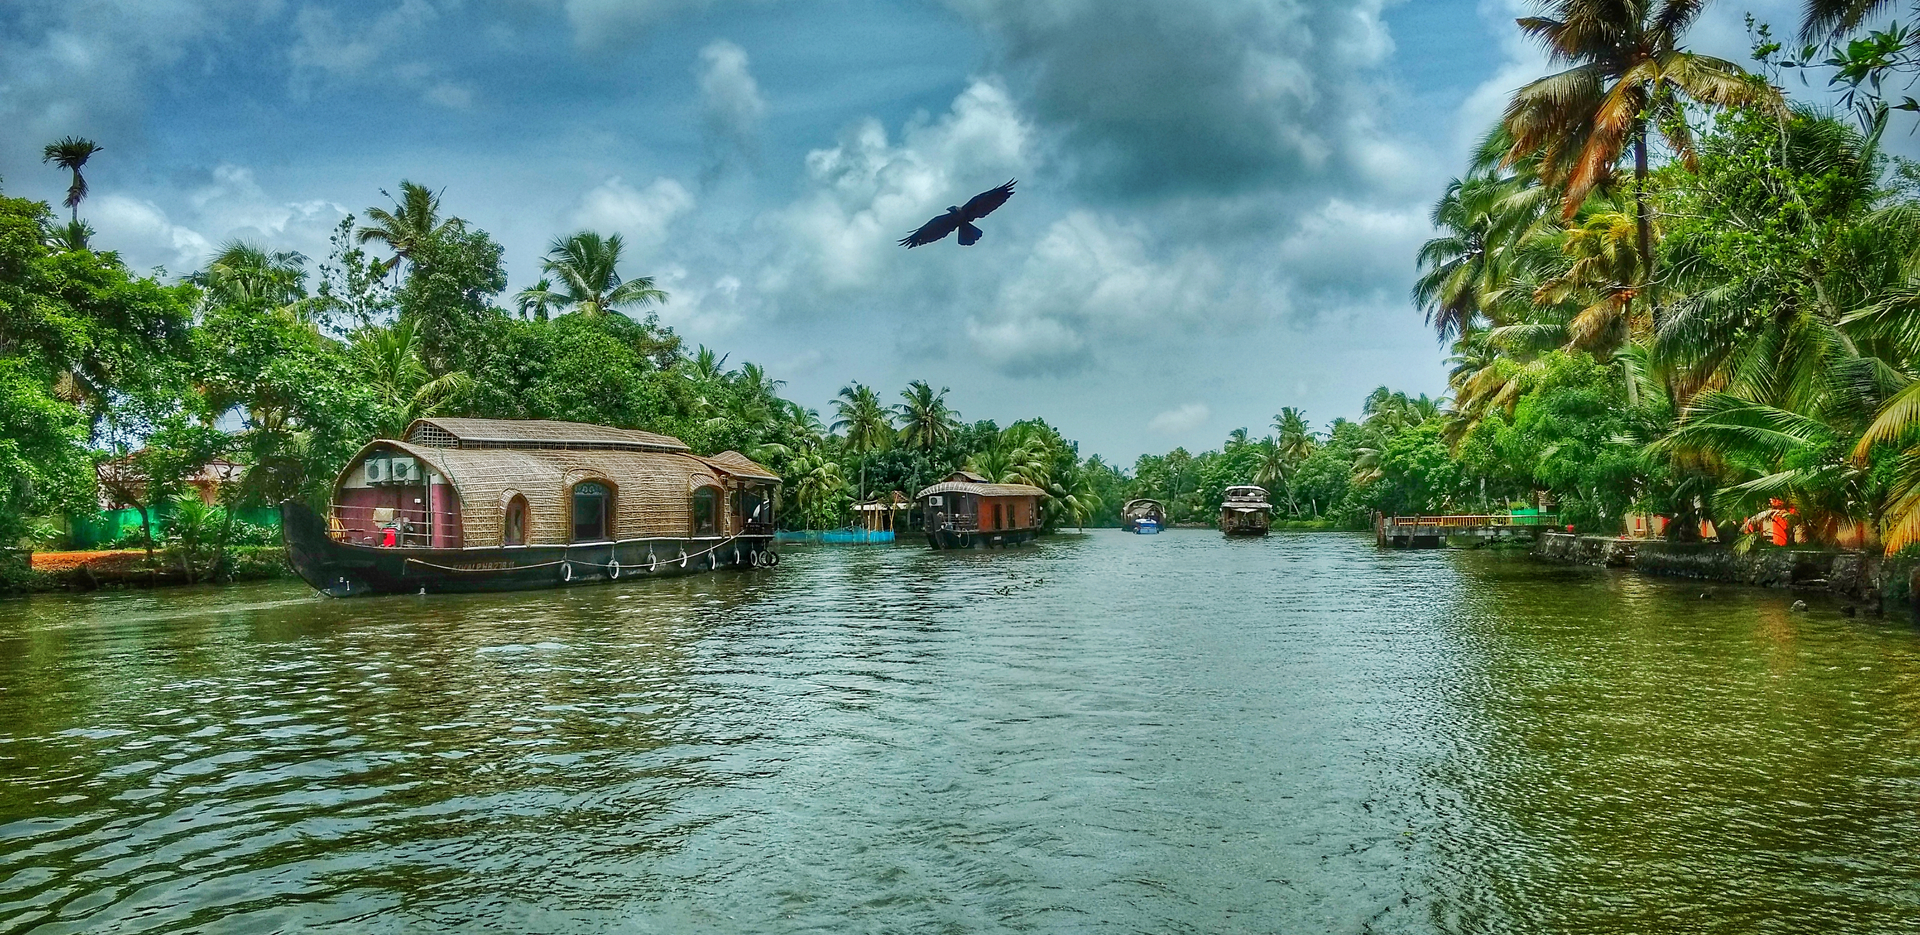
1143, 516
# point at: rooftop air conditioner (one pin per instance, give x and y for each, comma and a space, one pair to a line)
377, 470
404, 471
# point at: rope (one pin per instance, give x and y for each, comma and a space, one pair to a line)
575, 561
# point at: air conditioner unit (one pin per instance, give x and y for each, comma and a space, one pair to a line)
936, 500
404, 471
377, 470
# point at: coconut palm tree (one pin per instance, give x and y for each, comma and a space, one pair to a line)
587, 267
71, 153
244, 272
1273, 467
1628, 74
413, 223
1294, 434
864, 419
537, 300
925, 421
390, 359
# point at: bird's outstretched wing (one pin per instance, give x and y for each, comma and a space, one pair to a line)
983, 204
931, 231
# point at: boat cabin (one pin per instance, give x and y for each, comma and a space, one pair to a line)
490, 483
968, 511
1244, 511
1145, 516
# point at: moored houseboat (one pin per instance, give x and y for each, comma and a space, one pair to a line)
1145, 517
966, 511
498, 505
1245, 511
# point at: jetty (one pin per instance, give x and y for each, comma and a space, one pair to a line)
1432, 532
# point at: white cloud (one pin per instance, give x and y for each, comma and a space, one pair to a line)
640, 216
866, 192
1179, 421
141, 229
598, 24
730, 101
450, 95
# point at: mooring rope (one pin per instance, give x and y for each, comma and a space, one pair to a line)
682, 558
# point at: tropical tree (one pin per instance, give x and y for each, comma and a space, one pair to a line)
390, 358
536, 301
1628, 76
587, 267
1294, 434
244, 272
413, 223
925, 421
71, 153
866, 423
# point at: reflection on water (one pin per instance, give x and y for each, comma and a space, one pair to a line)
1103, 733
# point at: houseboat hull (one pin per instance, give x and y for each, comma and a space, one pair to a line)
982, 539
1245, 531
340, 569
1144, 527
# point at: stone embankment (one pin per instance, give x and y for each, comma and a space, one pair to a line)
1857, 576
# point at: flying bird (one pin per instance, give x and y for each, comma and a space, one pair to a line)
960, 218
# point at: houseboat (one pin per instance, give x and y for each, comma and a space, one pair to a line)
966, 511
498, 505
1245, 511
1145, 517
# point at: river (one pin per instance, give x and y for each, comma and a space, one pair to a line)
1102, 733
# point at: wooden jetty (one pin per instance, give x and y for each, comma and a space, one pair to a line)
1432, 532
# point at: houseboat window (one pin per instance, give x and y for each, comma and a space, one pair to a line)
590, 511
516, 533
706, 511
999, 516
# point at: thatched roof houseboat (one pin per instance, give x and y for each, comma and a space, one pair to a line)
966, 511
1143, 516
494, 504
1244, 511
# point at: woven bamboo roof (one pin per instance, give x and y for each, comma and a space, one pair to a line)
536, 433
984, 490
739, 465
652, 488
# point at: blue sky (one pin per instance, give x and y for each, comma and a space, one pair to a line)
1218, 212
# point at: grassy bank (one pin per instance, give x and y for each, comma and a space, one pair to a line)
22, 572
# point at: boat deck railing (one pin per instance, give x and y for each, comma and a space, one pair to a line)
1473, 520
415, 528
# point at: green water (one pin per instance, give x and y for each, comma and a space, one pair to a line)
1108, 733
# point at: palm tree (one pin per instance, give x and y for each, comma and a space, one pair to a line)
925, 421
1295, 434
1628, 73
536, 300
868, 427
244, 272
1274, 467
413, 223
390, 358
71, 153
587, 267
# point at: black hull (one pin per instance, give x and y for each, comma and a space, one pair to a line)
341, 570
1246, 532
989, 539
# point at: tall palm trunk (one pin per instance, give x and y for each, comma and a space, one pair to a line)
1643, 221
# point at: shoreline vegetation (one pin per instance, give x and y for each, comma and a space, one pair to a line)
1668, 289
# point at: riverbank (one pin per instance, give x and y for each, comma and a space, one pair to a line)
1868, 578
22, 573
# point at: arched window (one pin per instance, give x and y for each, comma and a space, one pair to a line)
514, 531
592, 512
706, 511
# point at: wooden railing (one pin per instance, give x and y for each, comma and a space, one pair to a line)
356, 525
1472, 520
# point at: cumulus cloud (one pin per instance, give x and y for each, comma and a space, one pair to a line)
640, 216
866, 192
1180, 420
1161, 97
141, 229
599, 24
730, 103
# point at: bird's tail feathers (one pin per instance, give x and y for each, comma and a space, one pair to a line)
969, 235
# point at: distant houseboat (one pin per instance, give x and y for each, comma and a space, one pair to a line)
1144, 516
965, 511
1245, 511
496, 505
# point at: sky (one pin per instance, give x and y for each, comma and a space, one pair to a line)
1218, 208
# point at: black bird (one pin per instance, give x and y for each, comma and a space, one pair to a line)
960, 218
